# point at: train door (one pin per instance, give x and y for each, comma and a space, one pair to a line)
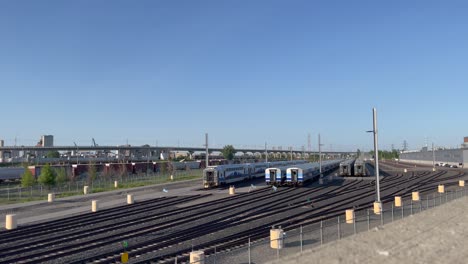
294, 176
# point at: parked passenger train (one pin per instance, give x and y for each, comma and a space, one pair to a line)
346, 167
214, 176
298, 175
275, 175
359, 168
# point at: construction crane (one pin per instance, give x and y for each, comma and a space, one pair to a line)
94, 143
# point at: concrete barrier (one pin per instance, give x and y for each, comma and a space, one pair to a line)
10, 221
415, 196
350, 216
397, 201
197, 257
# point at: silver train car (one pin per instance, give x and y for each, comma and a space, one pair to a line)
346, 167
359, 168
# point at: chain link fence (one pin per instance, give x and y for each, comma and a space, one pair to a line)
12, 194
332, 229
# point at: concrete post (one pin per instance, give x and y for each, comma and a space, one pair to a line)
415, 196
116, 184
349, 216
232, 190
197, 257
85, 189
94, 206
461, 183
377, 206
441, 188
10, 221
130, 199
50, 197
397, 201
276, 238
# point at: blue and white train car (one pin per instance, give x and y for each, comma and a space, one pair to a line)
214, 176
301, 173
275, 175
257, 169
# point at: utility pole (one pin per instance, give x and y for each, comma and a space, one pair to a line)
433, 156
290, 148
266, 153
376, 153
206, 153
309, 145
320, 154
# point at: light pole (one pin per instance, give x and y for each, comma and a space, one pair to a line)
433, 157
266, 153
206, 153
320, 154
376, 153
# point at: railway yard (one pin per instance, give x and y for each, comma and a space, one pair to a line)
167, 222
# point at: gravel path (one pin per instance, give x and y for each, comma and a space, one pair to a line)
434, 236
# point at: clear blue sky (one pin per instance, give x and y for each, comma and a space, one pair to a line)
246, 72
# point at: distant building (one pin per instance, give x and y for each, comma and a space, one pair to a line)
457, 157
47, 141
465, 143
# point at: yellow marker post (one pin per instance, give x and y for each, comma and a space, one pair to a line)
397, 201
441, 188
349, 216
124, 257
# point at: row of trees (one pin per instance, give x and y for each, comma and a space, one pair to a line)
384, 154
48, 177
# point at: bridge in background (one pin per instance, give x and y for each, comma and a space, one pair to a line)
152, 151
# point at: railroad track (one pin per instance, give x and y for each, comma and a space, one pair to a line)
164, 234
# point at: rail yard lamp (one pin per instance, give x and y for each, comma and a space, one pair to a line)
320, 155
376, 154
